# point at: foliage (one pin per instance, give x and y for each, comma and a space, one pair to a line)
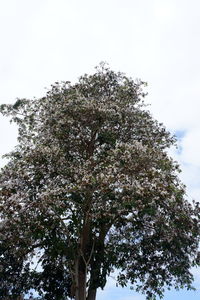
89, 189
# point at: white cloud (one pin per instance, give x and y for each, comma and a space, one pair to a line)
164, 11
191, 147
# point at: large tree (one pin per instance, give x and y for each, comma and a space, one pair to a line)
90, 189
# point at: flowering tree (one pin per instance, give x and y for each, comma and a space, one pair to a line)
90, 189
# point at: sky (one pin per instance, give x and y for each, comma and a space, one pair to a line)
158, 41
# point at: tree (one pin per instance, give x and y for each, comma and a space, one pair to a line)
90, 189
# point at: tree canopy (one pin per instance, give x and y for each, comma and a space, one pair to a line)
89, 189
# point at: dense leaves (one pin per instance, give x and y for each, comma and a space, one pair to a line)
89, 189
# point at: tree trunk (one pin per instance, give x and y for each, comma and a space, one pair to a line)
74, 289
92, 294
81, 262
80, 279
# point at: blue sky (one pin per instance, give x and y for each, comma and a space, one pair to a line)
43, 41
124, 294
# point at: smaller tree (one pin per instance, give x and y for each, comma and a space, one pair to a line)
89, 189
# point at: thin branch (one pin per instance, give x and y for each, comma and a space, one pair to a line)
83, 258
91, 252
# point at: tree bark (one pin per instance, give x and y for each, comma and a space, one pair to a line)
78, 289
74, 288
82, 277
81, 263
92, 294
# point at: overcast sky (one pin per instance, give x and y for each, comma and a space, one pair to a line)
43, 41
